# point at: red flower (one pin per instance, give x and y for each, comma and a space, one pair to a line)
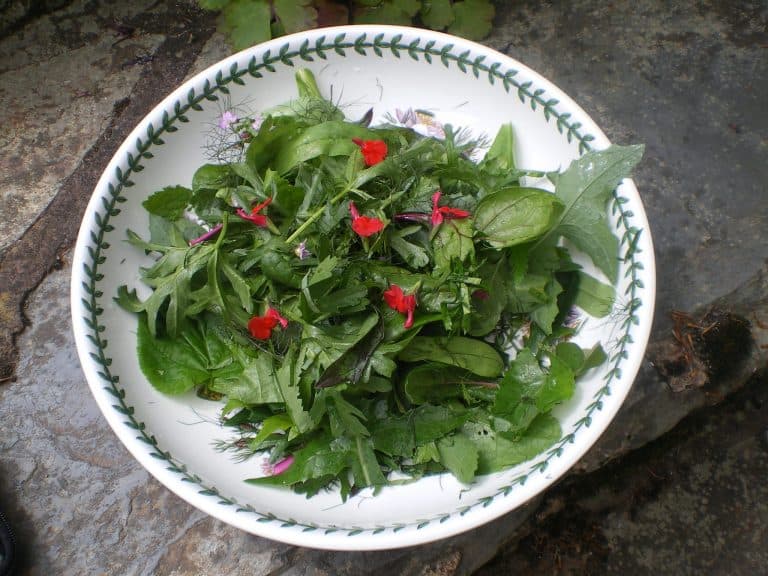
397, 300
261, 327
374, 151
364, 225
254, 216
441, 212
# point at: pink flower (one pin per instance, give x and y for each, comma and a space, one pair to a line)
278, 467
227, 119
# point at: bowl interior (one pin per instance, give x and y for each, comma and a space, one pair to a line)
360, 68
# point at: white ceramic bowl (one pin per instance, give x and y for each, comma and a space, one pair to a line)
362, 67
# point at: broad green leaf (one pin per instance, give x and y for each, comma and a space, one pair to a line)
558, 386
495, 452
501, 155
527, 381
332, 138
386, 12
296, 15
571, 354
169, 202
473, 19
577, 359
211, 177
436, 14
593, 296
171, 365
433, 383
453, 241
470, 354
431, 422
459, 455
394, 436
489, 300
516, 215
247, 22
523, 379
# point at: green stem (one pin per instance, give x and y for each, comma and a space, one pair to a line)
314, 216
223, 232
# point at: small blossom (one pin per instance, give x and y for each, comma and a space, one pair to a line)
364, 226
256, 124
404, 304
227, 119
301, 251
420, 122
374, 151
261, 327
254, 216
439, 213
278, 467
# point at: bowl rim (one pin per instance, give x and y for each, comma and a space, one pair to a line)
452, 51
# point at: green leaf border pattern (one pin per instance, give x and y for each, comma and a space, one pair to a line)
308, 51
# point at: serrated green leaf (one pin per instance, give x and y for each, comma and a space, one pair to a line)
584, 189
287, 380
169, 202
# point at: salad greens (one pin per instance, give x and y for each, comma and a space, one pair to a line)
373, 305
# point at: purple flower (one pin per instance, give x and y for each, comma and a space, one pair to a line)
301, 251
227, 119
256, 124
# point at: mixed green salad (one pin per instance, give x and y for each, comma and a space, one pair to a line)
373, 304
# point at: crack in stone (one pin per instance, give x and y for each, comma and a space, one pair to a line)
26, 263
